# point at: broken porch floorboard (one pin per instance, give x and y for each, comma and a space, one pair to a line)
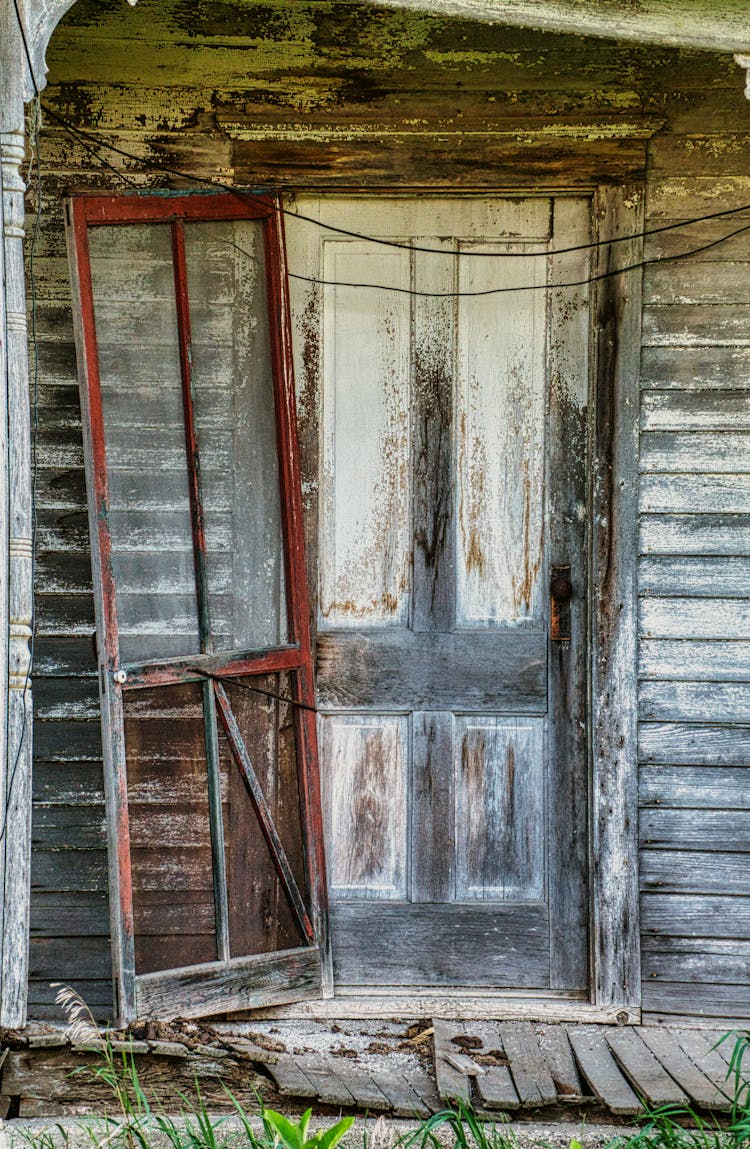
611, 1066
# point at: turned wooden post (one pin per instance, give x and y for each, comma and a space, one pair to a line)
16, 588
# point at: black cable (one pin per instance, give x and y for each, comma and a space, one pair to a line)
257, 197
233, 680
22, 30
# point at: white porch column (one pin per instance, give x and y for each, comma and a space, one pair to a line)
15, 536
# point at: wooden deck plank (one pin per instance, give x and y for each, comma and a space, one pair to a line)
555, 1047
404, 1101
600, 1069
531, 1077
290, 1080
330, 1088
423, 1085
366, 1092
495, 1085
648, 1077
452, 1085
665, 1046
497, 1090
700, 1046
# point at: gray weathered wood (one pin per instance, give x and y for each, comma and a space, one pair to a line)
665, 1046
720, 960
528, 1068
699, 368
693, 411
684, 659
433, 869
555, 1046
695, 534
706, 576
616, 313
426, 670
710, 830
695, 916
452, 1084
690, 872
568, 468
702, 1049
694, 787
729, 1003
678, 617
679, 451
681, 494
649, 1078
404, 1101
695, 701
16, 558
243, 983
600, 1070
486, 944
675, 743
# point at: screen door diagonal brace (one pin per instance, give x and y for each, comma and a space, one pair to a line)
270, 833
253, 689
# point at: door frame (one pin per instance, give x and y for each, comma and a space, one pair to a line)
614, 364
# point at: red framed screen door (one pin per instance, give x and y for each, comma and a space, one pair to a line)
217, 874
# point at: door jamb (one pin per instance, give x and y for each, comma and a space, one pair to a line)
613, 808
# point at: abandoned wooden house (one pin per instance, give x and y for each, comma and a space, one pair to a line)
376, 438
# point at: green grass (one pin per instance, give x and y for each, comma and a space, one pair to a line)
142, 1123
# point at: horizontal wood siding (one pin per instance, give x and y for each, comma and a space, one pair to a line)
302, 93
694, 575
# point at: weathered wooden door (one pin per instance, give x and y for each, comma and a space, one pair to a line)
217, 883
451, 399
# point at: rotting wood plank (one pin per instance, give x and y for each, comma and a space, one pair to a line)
555, 1047
366, 1092
664, 1045
423, 1085
495, 1084
330, 1088
452, 1084
291, 1079
700, 1046
531, 1076
601, 1071
649, 1078
403, 1099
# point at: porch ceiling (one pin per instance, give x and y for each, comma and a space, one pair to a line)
679, 23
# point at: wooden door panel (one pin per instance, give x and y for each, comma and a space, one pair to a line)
499, 808
379, 943
430, 670
365, 439
500, 440
365, 787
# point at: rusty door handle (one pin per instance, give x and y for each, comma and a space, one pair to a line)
561, 592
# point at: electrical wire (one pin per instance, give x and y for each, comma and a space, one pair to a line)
257, 197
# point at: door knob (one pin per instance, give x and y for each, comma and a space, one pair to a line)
561, 588
561, 592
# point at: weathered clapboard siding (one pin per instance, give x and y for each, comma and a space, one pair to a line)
306, 93
694, 655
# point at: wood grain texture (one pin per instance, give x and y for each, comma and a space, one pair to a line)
432, 670
600, 1070
616, 310
243, 983
650, 1080
434, 945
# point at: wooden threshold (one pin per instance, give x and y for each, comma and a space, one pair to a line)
451, 1005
